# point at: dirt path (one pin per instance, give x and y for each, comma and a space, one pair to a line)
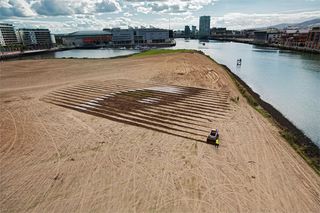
84, 136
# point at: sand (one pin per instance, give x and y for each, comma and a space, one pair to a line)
126, 154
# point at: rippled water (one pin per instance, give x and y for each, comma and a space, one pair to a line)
290, 81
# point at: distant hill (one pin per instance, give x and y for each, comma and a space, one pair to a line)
305, 24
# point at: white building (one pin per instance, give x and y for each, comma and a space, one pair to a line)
7, 35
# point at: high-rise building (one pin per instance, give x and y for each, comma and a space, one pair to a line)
193, 32
7, 35
35, 38
187, 32
204, 27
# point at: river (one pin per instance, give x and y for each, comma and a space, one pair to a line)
288, 80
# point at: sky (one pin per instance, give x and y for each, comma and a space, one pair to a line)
63, 16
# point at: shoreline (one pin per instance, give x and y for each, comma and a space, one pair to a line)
301, 143
296, 138
279, 47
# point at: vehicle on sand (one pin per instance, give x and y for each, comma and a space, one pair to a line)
213, 136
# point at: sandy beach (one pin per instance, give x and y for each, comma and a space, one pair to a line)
128, 135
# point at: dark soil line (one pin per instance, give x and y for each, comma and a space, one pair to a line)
125, 121
118, 112
163, 107
154, 107
215, 101
220, 109
134, 118
160, 115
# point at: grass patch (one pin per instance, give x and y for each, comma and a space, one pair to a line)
160, 51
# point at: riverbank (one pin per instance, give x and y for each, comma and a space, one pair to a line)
294, 136
247, 41
28, 53
81, 135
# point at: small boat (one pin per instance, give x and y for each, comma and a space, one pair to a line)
239, 61
203, 44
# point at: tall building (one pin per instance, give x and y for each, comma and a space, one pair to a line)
187, 32
204, 27
35, 38
193, 32
7, 35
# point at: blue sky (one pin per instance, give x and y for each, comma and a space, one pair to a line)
62, 16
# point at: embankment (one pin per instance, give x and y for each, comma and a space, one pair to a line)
295, 137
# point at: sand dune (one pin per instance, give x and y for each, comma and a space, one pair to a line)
127, 135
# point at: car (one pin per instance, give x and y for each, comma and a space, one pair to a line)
213, 136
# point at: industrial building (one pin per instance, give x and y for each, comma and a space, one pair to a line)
87, 39
204, 27
8, 35
35, 38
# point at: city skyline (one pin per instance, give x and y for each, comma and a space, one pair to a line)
62, 16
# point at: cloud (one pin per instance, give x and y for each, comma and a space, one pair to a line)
169, 6
20, 8
107, 6
27, 8
245, 21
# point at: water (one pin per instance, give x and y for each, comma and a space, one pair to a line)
84, 53
290, 81
95, 53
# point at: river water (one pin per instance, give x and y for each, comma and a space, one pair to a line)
290, 81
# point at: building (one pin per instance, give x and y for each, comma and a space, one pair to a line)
178, 34
261, 36
248, 34
152, 35
194, 32
8, 36
204, 27
86, 39
313, 41
35, 38
218, 32
274, 37
294, 38
141, 36
187, 32
123, 36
